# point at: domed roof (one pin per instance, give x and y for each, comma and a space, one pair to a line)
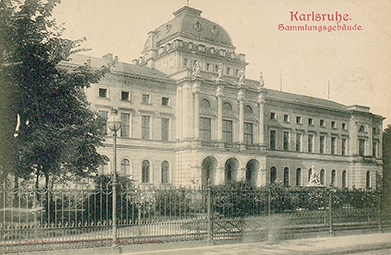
189, 23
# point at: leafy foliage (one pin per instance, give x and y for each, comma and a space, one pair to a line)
58, 134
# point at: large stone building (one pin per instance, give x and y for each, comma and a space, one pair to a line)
189, 114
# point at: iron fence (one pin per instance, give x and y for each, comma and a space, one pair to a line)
52, 219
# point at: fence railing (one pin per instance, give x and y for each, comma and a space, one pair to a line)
34, 220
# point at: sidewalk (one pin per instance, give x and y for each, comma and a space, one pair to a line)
323, 245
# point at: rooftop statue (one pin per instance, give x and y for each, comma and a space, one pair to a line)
242, 77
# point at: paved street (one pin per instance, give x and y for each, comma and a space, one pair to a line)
378, 244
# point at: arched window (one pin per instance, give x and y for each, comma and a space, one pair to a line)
273, 174
368, 180
286, 176
248, 109
309, 174
333, 174
361, 129
298, 177
145, 172
322, 182
204, 103
165, 170
343, 179
125, 167
227, 106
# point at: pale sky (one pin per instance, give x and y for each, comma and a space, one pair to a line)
357, 63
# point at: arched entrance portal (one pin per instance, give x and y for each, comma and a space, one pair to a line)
231, 169
208, 170
252, 172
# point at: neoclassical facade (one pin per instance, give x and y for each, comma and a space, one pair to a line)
189, 115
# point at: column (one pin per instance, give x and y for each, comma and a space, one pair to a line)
187, 111
241, 116
261, 136
196, 92
219, 95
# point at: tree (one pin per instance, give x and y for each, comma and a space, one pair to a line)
387, 165
59, 133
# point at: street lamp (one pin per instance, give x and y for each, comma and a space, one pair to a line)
114, 123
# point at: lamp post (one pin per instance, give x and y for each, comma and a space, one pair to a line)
114, 123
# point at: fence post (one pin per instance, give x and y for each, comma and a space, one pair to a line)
379, 210
269, 198
330, 212
209, 214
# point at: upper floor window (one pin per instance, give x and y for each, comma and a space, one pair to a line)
248, 133
333, 145
298, 119
125, 96
104, 115
361, 129
165, 101
165, 129
272, 139
298, 141
272, 115
145, 127
310, 143
344, 141
286, 141
227, 131
310, 121
344, 126
321, 123
125, 117
361, 147
205, 129
102, 92
322, 144
228, 70
146, 99
286, 118
185, 62
374, 149
333, 124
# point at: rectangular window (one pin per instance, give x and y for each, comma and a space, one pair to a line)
298, 119
343, 126
286, 118
185, 62
103, 92
145, 127
286, 141
298, 141
248, 133
125, 96
228, 71
216, 68
333, 145
374, 149
272, 139
205, 129
310, 143
321, 144
321, 123
165, 129
125, 117
165, 101
361, 147
146, 99
310, 121
333, 124
207, 67
104, 115
227, 131
272, 115
344, 146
